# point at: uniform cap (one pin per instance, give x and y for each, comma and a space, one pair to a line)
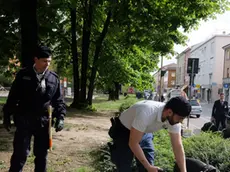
43, 52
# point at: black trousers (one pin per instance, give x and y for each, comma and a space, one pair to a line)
222, 121
21, 146
121, 154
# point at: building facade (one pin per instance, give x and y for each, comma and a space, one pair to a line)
168, 81
226, 72
170, 78
208, 81
182, 78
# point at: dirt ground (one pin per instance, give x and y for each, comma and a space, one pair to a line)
71, 147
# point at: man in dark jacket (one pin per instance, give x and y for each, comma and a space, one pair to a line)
33, 90
219, 112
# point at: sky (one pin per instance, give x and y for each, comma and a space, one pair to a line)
205, 31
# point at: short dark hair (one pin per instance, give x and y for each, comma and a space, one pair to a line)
43, 52
179, 105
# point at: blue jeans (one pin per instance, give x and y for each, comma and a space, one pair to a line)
122, 156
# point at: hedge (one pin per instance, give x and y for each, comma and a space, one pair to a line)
210, 148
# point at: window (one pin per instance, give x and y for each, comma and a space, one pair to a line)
227, 72
172, 82
194, 103
212, 47
227, 54
173, 74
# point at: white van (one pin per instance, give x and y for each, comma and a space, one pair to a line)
173, 93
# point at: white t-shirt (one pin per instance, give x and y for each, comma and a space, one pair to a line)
145, 116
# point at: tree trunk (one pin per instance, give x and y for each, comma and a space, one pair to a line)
96, 56
112, 95
85, 48
75, 59
29, 31
117, 90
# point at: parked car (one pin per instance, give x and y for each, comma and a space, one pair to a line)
196, 108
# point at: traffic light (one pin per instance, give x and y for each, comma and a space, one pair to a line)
163, 72
193, 63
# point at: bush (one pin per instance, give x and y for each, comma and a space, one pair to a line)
163, 155
102, 160
210, 148
129, 102
5, 81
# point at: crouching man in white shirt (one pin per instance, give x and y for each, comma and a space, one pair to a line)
132, 133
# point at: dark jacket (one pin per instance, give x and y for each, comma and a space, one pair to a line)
26, 99
219, 111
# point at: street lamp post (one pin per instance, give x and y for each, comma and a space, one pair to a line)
160, 92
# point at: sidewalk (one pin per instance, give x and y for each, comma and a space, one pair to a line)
195, 124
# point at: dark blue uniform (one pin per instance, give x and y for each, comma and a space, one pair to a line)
28, 100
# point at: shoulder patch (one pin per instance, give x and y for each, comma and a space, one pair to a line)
26, 78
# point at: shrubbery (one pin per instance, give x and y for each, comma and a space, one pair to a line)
211, 148
129, 102
5, 81
208, 147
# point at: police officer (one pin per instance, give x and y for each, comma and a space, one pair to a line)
33, 90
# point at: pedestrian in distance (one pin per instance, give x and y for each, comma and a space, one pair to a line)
219, 112
132, 133
34, 89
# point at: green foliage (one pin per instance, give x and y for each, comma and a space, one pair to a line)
5, 81
128, 102
129, 67
91, 108
210, 148
164, 157
102, 160
102, 103
138, 33
9, 29
83, 169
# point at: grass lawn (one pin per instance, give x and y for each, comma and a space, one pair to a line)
84, 131
102, 103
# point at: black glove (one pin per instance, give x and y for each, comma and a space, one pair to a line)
59, 125
6, 122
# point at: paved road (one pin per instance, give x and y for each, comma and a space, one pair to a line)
195, 124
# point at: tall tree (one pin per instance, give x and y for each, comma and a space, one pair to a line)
96, 56
29, 31
88, 18
75, 59
113, 33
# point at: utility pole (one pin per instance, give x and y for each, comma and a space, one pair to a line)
161, 78
191, 85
